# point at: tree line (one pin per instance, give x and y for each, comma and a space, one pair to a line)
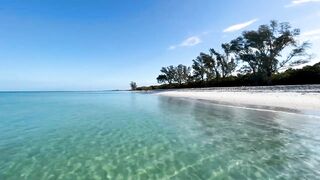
253, 58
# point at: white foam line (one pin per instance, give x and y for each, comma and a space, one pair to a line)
255, 109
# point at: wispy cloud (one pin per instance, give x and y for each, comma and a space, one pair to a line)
300, 2
237, 27
172, 47
190, 41
311, 35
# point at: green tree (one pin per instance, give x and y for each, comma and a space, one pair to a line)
168, 74
162, 79
206, 67
199, 69
182, 74
262, 50
133, 85
225, 62
210, 64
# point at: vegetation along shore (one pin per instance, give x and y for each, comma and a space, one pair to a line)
266, 56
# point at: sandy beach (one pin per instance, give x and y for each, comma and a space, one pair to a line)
300, 98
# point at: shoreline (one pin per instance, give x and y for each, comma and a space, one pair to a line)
303, 99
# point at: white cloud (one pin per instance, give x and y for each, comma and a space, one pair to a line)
191, 41
172, 47
240, 26
312, 32
300, 2
311, 35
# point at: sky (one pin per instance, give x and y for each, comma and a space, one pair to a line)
104, 44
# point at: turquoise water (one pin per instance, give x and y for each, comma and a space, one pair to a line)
121, 135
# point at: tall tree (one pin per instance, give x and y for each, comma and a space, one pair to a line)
133, 85
206, 67
199, 69
225, 62
264, 48
210, 66
182, 74
162, 79
169, 73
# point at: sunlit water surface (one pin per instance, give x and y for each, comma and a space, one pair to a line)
120, 135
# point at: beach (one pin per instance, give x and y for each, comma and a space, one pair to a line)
297, 98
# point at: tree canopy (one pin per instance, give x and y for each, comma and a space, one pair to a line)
263, 50
254, 58
133, 85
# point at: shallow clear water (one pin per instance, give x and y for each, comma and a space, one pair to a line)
118, 135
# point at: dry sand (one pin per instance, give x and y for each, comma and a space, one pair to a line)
302, 98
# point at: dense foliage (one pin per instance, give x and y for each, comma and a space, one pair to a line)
305, 75
254, 58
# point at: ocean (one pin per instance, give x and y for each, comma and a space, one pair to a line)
127, 135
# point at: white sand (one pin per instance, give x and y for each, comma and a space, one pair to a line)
270, 98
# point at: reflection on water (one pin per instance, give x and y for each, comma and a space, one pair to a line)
140, 136
254, 144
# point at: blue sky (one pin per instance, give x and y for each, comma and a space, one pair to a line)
100, 44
